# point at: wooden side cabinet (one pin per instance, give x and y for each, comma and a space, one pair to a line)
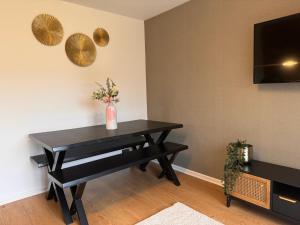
273, 188
253, 189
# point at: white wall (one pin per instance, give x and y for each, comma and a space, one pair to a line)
41, 90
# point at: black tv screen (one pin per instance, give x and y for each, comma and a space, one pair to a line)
277, 50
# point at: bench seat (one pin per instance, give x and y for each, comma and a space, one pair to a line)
75, 175
93, 150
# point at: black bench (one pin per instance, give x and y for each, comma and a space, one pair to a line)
75, 175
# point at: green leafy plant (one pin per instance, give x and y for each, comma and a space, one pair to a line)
234, 163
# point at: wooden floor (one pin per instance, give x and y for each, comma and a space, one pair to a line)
129, 196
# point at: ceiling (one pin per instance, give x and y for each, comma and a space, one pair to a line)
139, 9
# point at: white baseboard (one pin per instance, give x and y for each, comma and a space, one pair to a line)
195, 174
22, 195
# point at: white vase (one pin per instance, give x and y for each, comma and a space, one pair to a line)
111, 116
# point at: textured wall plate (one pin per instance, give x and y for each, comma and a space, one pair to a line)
47, 29
101, 37
80, 49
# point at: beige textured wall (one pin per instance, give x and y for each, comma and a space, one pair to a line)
41, 90
199, 60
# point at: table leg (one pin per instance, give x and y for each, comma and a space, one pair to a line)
228, 200
163, 137
150, 141
54, 163
58, 160
51, 192
63, 204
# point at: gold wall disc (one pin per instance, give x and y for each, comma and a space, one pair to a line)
101, 37
47, 29
81, 50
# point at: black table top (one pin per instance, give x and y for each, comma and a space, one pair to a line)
65, 139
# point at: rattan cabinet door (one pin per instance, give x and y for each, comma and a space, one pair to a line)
255, 190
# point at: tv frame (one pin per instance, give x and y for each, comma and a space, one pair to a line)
254, 29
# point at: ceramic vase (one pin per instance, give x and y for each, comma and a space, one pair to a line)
111, 116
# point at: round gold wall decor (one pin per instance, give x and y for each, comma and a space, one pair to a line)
81, 50
101, 37
47, 29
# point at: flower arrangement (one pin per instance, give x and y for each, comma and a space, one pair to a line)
108, 94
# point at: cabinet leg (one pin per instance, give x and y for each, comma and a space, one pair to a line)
228, 201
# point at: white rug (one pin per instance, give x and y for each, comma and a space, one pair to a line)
179, 214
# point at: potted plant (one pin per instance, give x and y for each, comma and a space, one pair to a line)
108, 96
234, 164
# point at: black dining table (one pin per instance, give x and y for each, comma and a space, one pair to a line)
137, 135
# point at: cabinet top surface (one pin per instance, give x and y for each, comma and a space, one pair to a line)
274, 172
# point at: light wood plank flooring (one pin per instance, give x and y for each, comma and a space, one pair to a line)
129, 196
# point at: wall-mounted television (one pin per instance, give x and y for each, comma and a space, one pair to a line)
277, 50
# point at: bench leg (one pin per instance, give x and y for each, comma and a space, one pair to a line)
168, 170
143, 166
51, 193
171, 160
80, 212
73, 208
63, 204
165, 169
228, 200
77, 206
